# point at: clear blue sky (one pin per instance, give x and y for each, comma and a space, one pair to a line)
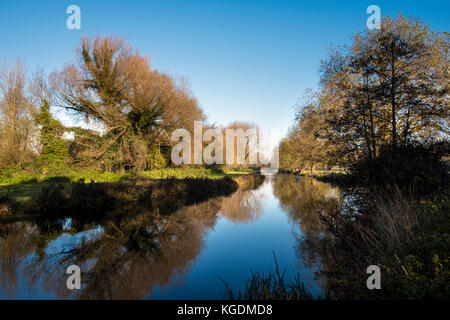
246, 60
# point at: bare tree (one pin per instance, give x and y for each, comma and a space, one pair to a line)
17, 129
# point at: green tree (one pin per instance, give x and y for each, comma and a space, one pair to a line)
51, 131
157, 159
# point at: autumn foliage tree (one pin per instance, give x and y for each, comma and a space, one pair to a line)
389, 88
304, 147
113, 86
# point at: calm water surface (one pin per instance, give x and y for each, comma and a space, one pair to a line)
181, 256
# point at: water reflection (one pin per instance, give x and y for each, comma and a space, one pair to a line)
119, 259
16, 242
242, 206
305, 199
141, 253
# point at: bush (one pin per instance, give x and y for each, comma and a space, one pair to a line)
156, 159
418, 169
87, 203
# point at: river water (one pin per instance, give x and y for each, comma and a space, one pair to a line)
186, 255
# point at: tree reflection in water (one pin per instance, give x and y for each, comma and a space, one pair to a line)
305, 200
119, 258
142, 251
244, 206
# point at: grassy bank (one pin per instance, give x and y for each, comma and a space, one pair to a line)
99, 201
21, 183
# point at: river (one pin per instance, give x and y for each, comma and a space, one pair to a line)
185, 255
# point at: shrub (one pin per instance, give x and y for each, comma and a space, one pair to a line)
416, 168
156, 159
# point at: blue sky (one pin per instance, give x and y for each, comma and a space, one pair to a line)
246, 60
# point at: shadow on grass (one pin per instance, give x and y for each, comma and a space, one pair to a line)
24, 191
55, 199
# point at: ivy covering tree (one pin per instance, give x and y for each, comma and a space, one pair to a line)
134, 106
51, 131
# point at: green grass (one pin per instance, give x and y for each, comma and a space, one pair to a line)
21, 183
320, 173
198, 172
181, 173
20, 192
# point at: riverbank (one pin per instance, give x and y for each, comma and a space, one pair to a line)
397, 227
22, 183
95, 201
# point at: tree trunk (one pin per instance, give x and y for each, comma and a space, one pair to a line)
393, 104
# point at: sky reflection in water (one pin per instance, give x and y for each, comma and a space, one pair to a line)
182, 256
